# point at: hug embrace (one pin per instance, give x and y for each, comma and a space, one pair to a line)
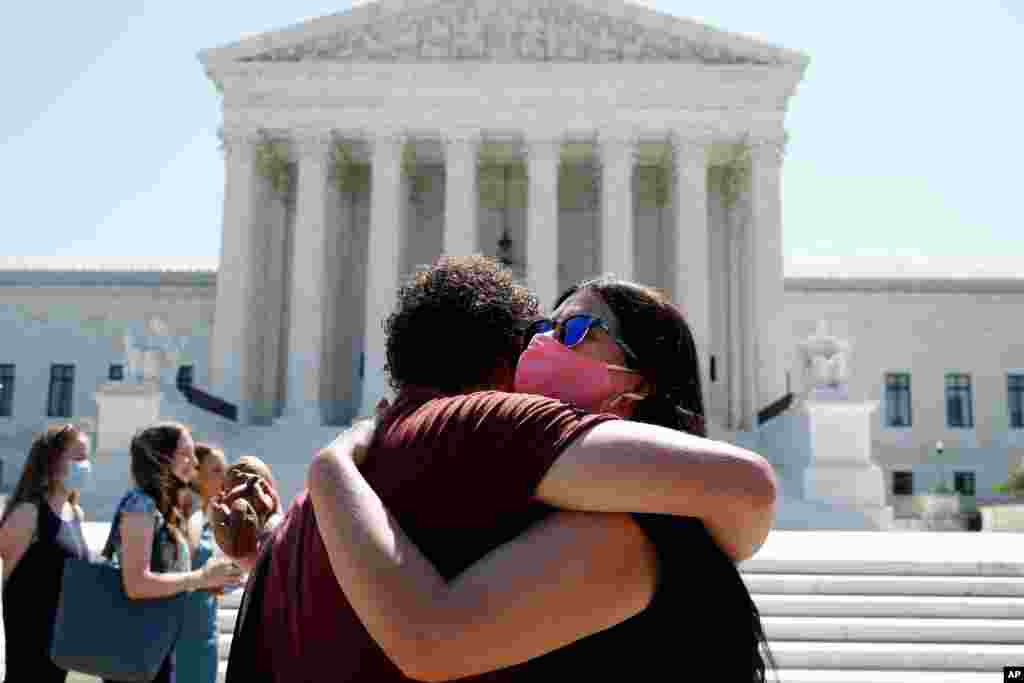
540, 500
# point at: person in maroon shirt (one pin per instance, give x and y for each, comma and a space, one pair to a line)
464, 469
700, 603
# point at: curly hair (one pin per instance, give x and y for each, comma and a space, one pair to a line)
39, 474
456, 323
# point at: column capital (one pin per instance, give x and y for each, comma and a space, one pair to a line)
381, 137
616, 147
768, 152
543, 149
461, 136
240, 143
690, 148
312, 143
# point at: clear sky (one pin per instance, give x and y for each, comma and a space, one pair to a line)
905, 155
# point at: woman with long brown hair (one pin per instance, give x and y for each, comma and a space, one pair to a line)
149, 537
40, 528
610, 346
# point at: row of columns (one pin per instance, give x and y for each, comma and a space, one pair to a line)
761, 248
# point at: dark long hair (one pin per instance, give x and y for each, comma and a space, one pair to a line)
39, 473
152, 451
728, 631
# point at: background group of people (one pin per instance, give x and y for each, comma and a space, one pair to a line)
161, 538
540, 500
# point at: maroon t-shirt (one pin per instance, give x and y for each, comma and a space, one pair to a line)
459, 473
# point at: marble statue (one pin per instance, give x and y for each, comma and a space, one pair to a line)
157, 350
826, 362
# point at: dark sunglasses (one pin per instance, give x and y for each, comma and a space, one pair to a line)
573, 330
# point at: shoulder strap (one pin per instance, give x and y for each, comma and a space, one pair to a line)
108, 547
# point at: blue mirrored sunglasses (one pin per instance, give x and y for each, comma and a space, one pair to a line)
573, 330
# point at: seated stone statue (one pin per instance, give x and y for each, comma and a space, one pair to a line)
826, 363
248, 510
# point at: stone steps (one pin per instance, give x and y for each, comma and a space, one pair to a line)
845, 607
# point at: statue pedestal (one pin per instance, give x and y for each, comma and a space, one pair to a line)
123, 409
840, 471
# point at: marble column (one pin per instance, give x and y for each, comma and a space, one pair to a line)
692, 258
229, 352
387, 227
767, 267
543, 158
309, 291
460, 198
617, 155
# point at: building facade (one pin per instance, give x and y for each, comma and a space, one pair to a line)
568, 137
942, 358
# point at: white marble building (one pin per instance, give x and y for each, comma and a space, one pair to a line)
925, 329
583, 136
566, 137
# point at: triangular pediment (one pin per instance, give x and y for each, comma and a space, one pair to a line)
597, 31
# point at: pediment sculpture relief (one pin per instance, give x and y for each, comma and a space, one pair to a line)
460, 30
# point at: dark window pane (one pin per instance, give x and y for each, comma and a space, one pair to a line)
959, 405
6, 390
903, 483
1015, 400
897, 399
185, 377
963, 483
62, 384
116, 373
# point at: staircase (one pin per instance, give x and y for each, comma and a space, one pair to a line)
876, 607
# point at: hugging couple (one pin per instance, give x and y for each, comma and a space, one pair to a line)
538, 501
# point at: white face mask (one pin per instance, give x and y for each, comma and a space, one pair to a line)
79, 475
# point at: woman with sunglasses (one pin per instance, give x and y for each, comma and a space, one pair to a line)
40, 528
609, 346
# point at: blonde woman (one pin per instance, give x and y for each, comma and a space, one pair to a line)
197, 648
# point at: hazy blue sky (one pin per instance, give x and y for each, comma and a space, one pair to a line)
906, 140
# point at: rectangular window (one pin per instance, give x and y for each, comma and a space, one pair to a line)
963, 483
6, 390
902, 483
116, 373
62, 386
959, 404
1015, 400
897, 399
185, 377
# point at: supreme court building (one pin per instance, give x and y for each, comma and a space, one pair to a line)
567, 137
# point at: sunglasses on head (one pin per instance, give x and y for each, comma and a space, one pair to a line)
573, 330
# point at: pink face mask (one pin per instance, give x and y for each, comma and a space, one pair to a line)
549, 368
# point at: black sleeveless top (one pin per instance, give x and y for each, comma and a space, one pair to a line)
31, 594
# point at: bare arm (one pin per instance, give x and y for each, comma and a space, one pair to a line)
570, 576
141, 582
623, 466
16, 535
